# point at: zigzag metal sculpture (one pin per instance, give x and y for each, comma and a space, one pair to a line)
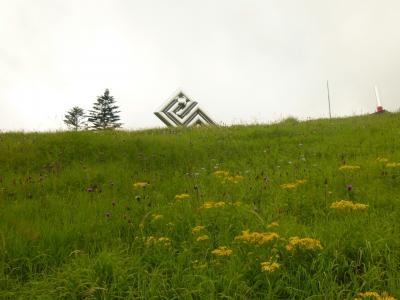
179, 110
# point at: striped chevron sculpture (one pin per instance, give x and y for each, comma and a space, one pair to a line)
182, 111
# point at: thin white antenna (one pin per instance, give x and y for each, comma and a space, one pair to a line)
329, 99
379, 107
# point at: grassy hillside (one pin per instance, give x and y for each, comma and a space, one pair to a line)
145, 215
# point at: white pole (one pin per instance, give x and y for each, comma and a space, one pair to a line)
378, 99
329, 99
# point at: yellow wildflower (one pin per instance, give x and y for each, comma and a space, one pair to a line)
182, 197
221, 174
234, 179
349, 168
269, 267
202, 238
301, 181
258, 238
393, 165
303, 243
212, 204
292, 185
140, 184
382, 159
199, 265
360, 206
374, 295
157, 217
222, 251
151, 241
347, 204
386, 296
197, 229
273, 224
207, 205
219, 204
288, 186
224, 175
165, 240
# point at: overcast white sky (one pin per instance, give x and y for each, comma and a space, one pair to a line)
244, 61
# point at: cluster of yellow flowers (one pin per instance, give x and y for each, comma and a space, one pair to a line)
273, 224
347, 204
349, 168
303, 243
199, 265
213, 204
157, 217
292, 185
182, 197
151, 240
197, 229
233, 179
374, 295
224, 175
393, 165
165, 240
382, 159
258, 238
219, 204
202, 238
269, 266
221, 174
222, 251
388, 164
140, 184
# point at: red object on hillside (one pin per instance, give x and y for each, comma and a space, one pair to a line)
379, 109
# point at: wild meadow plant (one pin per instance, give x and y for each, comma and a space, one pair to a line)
298, 210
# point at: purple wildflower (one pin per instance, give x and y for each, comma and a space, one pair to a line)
89, 189
349, 187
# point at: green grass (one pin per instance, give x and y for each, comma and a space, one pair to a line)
59, 241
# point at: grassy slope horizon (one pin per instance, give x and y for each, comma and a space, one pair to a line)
73, 226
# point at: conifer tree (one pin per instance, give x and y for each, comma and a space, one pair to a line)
75, 118
104, 114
